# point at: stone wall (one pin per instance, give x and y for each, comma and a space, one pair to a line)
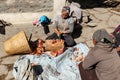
28, 10
15, 6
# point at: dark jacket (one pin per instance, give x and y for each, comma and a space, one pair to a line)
105, 61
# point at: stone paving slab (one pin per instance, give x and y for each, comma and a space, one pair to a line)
10, 59
4, 70
2, 52
10, 76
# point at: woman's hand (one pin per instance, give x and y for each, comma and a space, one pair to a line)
63, 32
33, 64
57, 31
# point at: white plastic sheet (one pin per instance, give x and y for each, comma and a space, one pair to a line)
62, 67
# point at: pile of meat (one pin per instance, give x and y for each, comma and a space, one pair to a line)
55, 47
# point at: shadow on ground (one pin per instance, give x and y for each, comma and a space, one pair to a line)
77, 31
87, 4
3, 24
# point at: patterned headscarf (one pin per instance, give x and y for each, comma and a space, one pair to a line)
66, 8
102, 35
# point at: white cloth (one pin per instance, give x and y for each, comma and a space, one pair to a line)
62, 67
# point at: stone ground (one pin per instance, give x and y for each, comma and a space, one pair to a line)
99, 18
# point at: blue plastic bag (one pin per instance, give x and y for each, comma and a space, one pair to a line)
44, 20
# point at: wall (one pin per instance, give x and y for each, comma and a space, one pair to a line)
16, 6
25, 11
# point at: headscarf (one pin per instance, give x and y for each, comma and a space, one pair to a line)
103, 36
66, 8
116, 36
116, 31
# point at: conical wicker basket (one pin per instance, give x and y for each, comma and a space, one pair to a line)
18, 44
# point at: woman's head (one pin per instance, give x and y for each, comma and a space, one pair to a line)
65, 12
101, 35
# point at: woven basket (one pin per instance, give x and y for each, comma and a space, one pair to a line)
56, 46
18, 44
